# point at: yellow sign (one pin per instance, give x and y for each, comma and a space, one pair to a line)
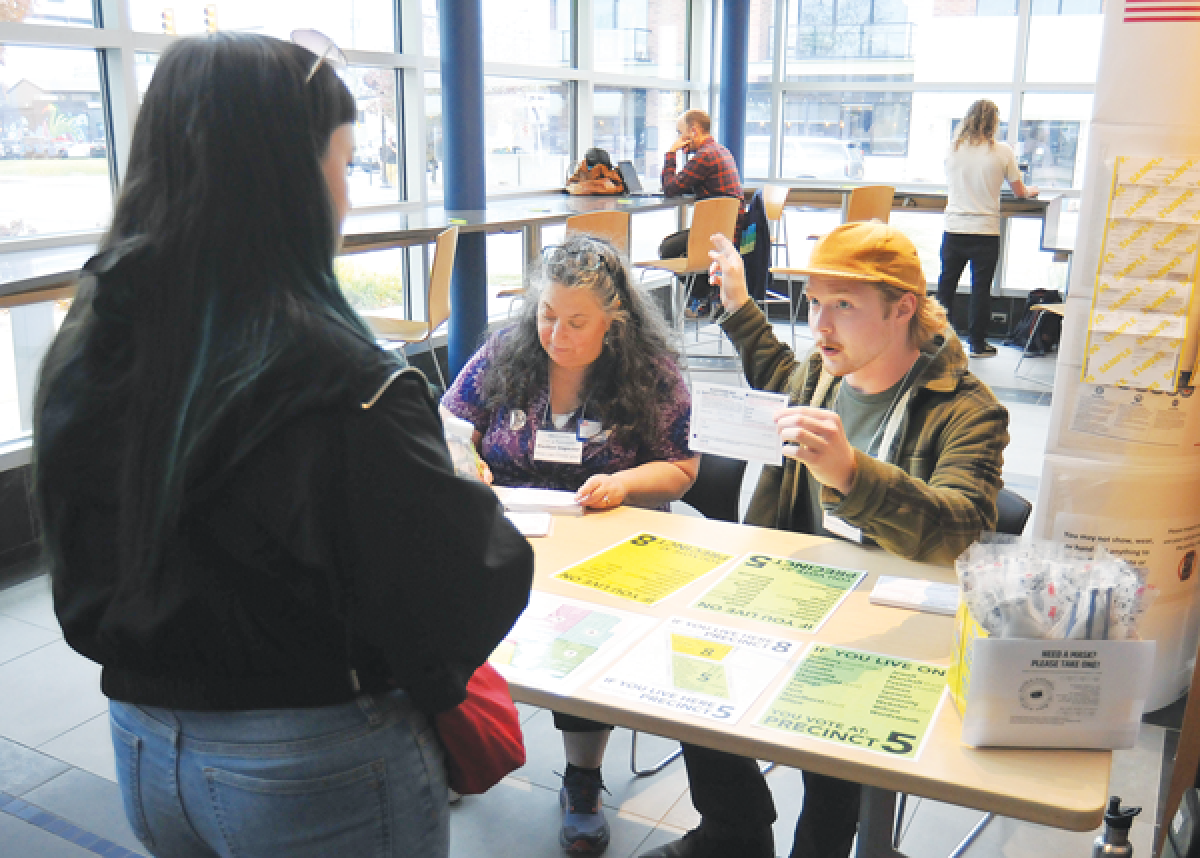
860, 699
781, 591
645, 568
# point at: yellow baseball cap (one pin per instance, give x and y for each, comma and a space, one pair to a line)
871, 252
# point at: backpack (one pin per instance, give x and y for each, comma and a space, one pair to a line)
596, 179
1048, 331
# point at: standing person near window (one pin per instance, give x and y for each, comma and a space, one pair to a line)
251, 515
976, 169
710, 172
587, 364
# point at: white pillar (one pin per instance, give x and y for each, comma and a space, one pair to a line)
1147, 103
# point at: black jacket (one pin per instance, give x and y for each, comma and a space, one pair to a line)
342, 551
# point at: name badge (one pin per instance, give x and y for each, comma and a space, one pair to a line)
838, 527
589, 430
562, 447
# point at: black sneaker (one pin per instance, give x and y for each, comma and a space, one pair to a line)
984, 350
584, 829
702, 843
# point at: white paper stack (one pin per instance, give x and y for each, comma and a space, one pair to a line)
915, 594
549, 501
531, 524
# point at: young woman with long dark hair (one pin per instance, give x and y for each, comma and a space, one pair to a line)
251, 516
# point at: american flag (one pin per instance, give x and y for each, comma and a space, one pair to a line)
1158, 11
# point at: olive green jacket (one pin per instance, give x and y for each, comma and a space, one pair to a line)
939, 494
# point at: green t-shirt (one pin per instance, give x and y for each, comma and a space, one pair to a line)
863, 417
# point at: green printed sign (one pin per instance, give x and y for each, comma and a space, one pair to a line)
781, 591
858, 698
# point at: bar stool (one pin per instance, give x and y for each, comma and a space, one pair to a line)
391, 323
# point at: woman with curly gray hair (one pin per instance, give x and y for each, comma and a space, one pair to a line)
582, 393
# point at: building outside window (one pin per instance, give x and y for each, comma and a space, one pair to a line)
635, 124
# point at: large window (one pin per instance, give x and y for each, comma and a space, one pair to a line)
54, 166
758, 132
375, 171
50, 13
530, 32
762, 40
637, 125
1053, 138
642, 37
876, 41
361, 25
527, 133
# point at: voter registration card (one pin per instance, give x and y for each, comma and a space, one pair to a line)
736, 422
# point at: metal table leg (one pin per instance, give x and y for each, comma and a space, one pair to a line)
879, 826
876, 821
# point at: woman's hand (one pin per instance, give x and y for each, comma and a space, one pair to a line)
603, 491
728, 271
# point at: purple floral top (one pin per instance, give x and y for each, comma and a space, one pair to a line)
509, 432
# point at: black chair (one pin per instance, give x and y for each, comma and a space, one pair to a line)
1012, 513
715, 494
718, 487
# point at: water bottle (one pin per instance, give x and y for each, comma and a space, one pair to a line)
1114, 843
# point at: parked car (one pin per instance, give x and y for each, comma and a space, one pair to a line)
821, 158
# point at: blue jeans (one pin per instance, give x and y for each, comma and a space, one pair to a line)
359, 779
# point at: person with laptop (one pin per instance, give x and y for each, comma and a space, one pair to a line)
976, 167
889, 440
710, 171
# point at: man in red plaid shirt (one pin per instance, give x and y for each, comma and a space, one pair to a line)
709, 172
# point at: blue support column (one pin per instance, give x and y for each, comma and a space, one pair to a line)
461, 24
735, 50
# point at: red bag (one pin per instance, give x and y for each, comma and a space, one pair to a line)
482, 736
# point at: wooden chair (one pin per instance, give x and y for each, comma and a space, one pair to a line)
775, 201
716, 214
391, 323
870, 202
611, 226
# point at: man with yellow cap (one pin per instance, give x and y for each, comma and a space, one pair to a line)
889, 440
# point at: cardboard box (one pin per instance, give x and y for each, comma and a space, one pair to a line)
1046, 693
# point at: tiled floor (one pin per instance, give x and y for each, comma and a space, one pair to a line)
58, 795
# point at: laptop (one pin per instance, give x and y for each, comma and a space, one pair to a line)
633, 185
